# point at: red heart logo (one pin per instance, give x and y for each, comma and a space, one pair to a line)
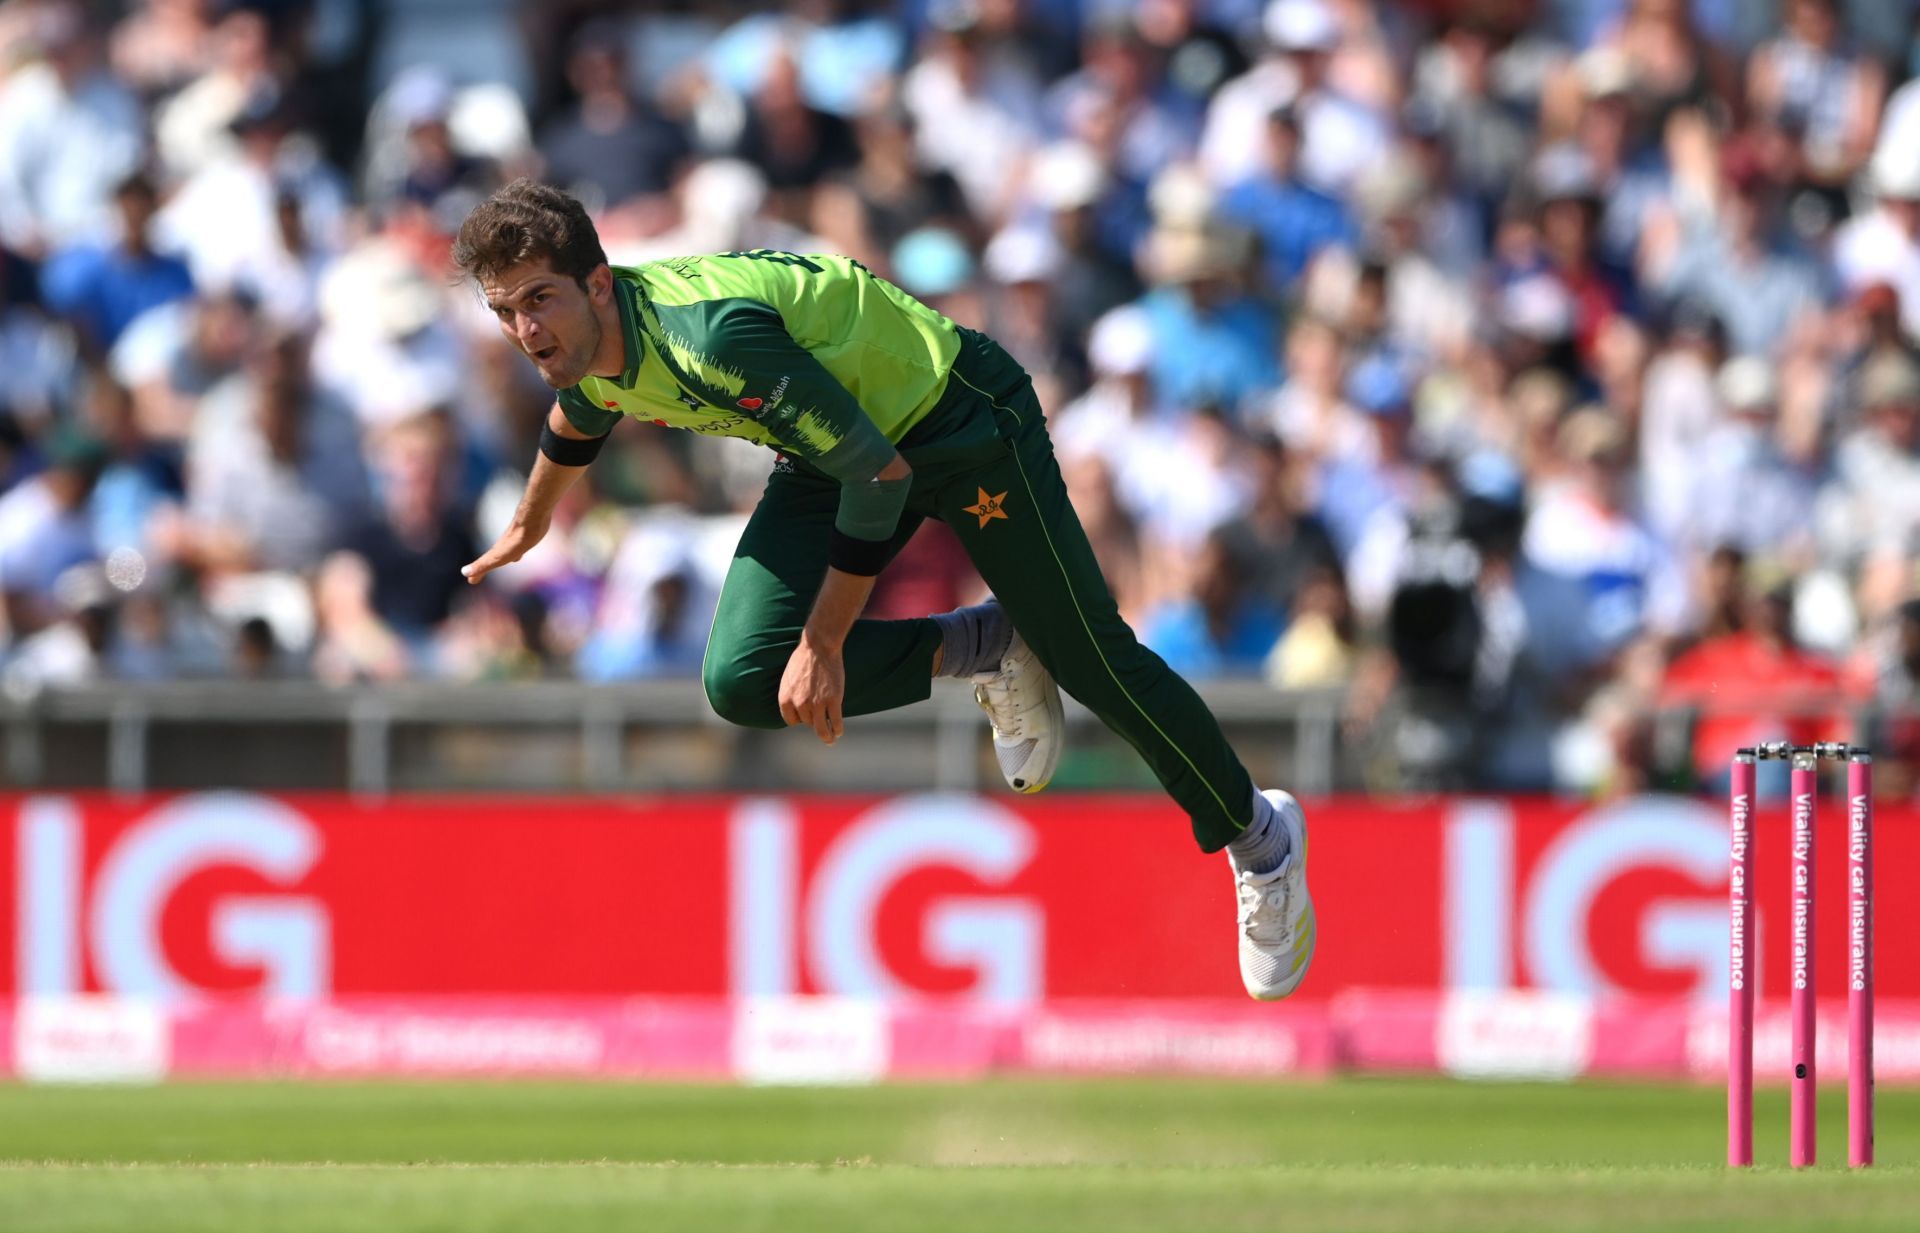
612, 405
751, 404
663, 423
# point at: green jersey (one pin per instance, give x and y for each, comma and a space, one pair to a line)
810, 355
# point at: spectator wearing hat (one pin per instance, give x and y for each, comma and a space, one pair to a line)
1233, 141
1870, 506
1745, 492
1340, 134
1362, 486
1292, 222
45, 531
1095, 221
1418, 241
434, 173
1883, 244
1120, 404
1214, 339
1021, 264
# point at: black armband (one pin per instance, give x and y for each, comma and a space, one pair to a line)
861, 557
570, 451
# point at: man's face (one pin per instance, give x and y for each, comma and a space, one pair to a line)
136, 212
550, 317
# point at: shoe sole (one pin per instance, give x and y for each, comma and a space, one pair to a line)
1310, 921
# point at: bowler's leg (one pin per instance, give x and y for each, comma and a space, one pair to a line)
1014, 518
777, 570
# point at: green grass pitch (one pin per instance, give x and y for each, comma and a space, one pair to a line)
1425, 1156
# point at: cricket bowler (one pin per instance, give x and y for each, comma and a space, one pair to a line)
883, 413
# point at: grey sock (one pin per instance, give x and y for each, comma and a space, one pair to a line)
1265, 843
973, 639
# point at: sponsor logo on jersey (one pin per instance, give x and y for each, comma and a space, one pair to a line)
766, 406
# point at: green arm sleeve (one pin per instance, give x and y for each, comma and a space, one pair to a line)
582, 414
741, 348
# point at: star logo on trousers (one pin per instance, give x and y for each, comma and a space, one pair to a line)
989, 507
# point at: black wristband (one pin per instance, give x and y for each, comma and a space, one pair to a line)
862, 557
570, 451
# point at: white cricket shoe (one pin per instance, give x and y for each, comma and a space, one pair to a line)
1023, 704
1277, 932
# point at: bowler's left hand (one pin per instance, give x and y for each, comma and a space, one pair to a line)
813, 688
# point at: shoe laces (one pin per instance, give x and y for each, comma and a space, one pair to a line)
1006, 702
1263, 908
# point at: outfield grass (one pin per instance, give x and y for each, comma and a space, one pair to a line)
1109, 1156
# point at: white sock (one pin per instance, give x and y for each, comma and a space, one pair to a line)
1266, 841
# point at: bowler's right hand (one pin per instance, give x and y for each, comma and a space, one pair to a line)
515, 542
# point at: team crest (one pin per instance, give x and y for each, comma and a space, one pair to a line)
987, 508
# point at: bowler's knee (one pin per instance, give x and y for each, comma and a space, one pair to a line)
741, 691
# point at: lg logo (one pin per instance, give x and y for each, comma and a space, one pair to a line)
833, 917
286, 938
1558, 896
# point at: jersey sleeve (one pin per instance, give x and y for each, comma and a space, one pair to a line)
582, 414
742, 351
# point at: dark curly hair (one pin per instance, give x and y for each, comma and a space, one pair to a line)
526, 221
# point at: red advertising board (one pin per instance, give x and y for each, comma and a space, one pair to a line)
996, 900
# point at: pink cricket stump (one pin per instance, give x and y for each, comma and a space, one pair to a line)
1860, 959
1805, 789
1740, 942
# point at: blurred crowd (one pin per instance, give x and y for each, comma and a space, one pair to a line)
1523, 368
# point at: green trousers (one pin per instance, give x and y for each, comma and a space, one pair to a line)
983, 464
